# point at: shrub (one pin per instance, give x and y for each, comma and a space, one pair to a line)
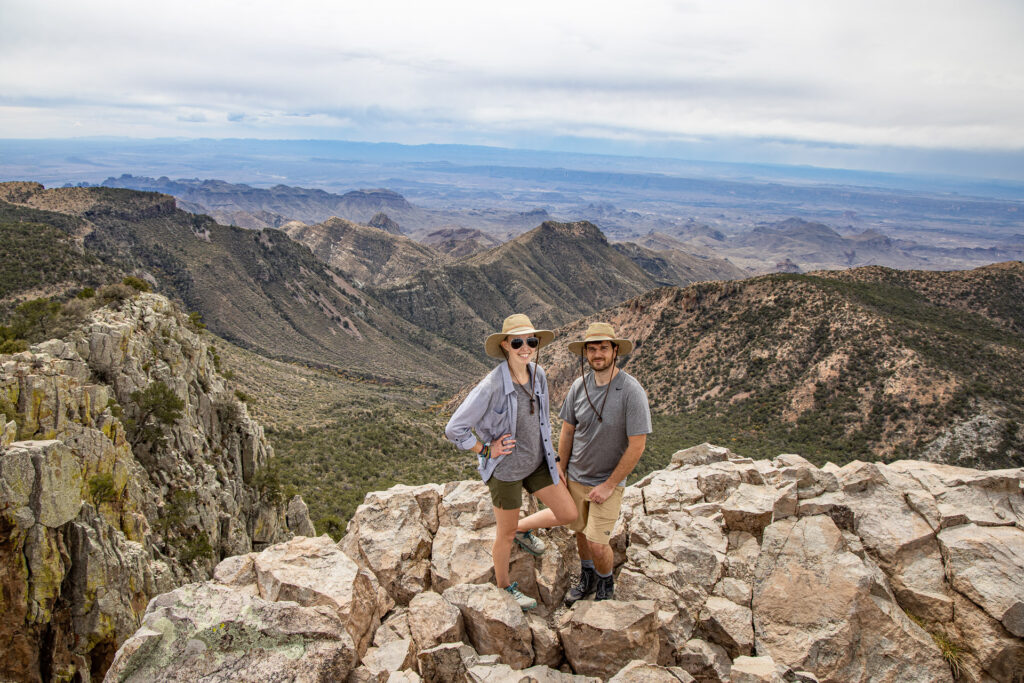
137, 284
195, 320
86, 293
158, 407
115, 293
196, 547
102, 488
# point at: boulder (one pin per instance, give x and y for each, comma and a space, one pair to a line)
703, 454
705, 661
461, 554
986, 564
495, 623
392, 656
298, 519
214, 633
599, 638
639, 671
433, 620
445, 663
819, 607
755, 670
547, 648
314, 571
728, 624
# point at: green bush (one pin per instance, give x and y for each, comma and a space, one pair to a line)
138, 284
102, 488
158, 407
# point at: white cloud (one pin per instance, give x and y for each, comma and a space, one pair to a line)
912, 73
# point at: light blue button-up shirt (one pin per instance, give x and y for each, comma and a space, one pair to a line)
491, 410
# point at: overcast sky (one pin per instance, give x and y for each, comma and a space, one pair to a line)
821, 75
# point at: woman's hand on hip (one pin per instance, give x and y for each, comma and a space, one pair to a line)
503, 445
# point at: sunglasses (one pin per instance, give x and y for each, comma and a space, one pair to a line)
516, 343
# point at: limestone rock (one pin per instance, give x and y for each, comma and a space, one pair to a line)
755, 670
705, 661
313, 572
986, 564
703, 454
461, 555
602, 637
728, 624
214, 633
494, 622
393, 656
433, 620
817, 606
445, 663
299, 522
394, 627
547, 648
639, 671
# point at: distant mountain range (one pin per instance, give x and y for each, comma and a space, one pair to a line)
869, 362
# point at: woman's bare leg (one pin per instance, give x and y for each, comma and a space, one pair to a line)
503, 535
560, 509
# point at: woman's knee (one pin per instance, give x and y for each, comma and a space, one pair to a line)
568, 515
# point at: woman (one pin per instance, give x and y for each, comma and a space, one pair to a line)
509, 412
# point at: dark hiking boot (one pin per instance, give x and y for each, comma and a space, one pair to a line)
585, 585
605, 588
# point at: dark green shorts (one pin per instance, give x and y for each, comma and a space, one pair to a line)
508, 495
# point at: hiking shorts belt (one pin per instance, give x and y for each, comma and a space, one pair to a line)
508, 495
595, 520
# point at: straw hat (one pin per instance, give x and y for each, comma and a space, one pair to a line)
601, 332
515, 325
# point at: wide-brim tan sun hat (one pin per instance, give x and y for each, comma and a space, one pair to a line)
601, 332
514, 325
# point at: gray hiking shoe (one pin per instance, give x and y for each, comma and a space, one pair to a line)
605, 588
530, 543
524, 600
585, 585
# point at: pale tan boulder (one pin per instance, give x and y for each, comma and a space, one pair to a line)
728, 624
703, 454
987, 649
599, 638
741, 556
445, 663
968, 496
461, 554
297, 517
986, 564
466, 504
392, 656
314, 571
213, 633
407, 676
556, 568
747, 669
547, 648
433, 620
394, 627
670, 490
817, 606
751, 508
495, 623
237, 570
639, 671
705, 661
735, 590
390, 535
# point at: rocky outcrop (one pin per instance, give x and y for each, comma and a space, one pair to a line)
101, 507
727, 569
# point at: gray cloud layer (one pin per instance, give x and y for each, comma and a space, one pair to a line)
940, 74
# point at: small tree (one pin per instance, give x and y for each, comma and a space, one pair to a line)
159, 407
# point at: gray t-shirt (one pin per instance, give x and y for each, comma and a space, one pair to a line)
598, 446
527, 454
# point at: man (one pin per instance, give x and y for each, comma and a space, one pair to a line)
606, 420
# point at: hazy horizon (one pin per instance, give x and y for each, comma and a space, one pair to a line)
923, 88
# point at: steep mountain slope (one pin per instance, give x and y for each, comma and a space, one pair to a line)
555, 273
860, 364
675, 267
369, 255
459, 242
260, 289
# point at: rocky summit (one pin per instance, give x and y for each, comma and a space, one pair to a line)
727, 569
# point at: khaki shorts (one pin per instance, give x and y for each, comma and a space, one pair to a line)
595, 520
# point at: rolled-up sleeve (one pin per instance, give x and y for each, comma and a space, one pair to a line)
468, 416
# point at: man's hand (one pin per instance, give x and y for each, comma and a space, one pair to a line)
601, 493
